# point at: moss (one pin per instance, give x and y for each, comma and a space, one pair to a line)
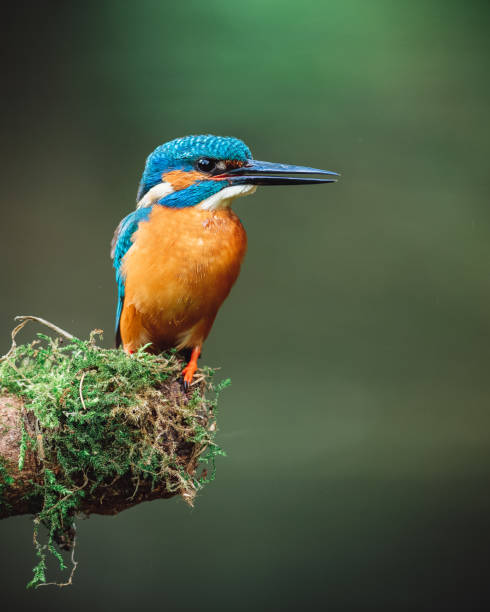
98, 419
5, 480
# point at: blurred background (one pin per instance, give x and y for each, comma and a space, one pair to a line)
357, 426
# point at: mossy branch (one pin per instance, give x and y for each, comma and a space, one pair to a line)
87, 430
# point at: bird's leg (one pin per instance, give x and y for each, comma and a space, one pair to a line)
191, 367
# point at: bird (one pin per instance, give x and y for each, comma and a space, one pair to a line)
178, 254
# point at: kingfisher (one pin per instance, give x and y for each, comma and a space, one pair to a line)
178, 254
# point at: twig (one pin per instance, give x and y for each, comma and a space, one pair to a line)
15, 331
68, 495
52, 326
69, 582
24, 319
40, 445
80, 391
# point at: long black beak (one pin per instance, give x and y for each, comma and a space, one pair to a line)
266, 173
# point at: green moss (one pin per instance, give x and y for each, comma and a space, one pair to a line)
96, 422
5, 480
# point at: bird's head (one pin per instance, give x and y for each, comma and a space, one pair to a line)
211, 171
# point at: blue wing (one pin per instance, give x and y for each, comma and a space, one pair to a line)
120, 245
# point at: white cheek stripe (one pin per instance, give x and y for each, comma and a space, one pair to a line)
154, 194
224, 198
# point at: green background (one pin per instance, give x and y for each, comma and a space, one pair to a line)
357, 337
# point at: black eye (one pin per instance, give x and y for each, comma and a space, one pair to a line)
205, 164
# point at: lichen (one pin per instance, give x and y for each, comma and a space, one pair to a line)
101, 417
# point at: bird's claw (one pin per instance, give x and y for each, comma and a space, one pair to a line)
188, 375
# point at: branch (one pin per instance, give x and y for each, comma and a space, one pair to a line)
121, 492
90, 430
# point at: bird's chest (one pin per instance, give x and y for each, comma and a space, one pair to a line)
184, 256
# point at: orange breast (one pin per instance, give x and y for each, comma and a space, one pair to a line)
180, 268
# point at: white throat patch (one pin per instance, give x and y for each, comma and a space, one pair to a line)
225, 197
154, 194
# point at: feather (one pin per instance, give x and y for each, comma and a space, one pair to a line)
120, 245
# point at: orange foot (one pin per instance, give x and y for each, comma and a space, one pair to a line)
190, 369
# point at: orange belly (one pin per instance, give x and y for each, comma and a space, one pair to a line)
180, 268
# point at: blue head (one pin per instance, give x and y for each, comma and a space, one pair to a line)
186, 171
189, 171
